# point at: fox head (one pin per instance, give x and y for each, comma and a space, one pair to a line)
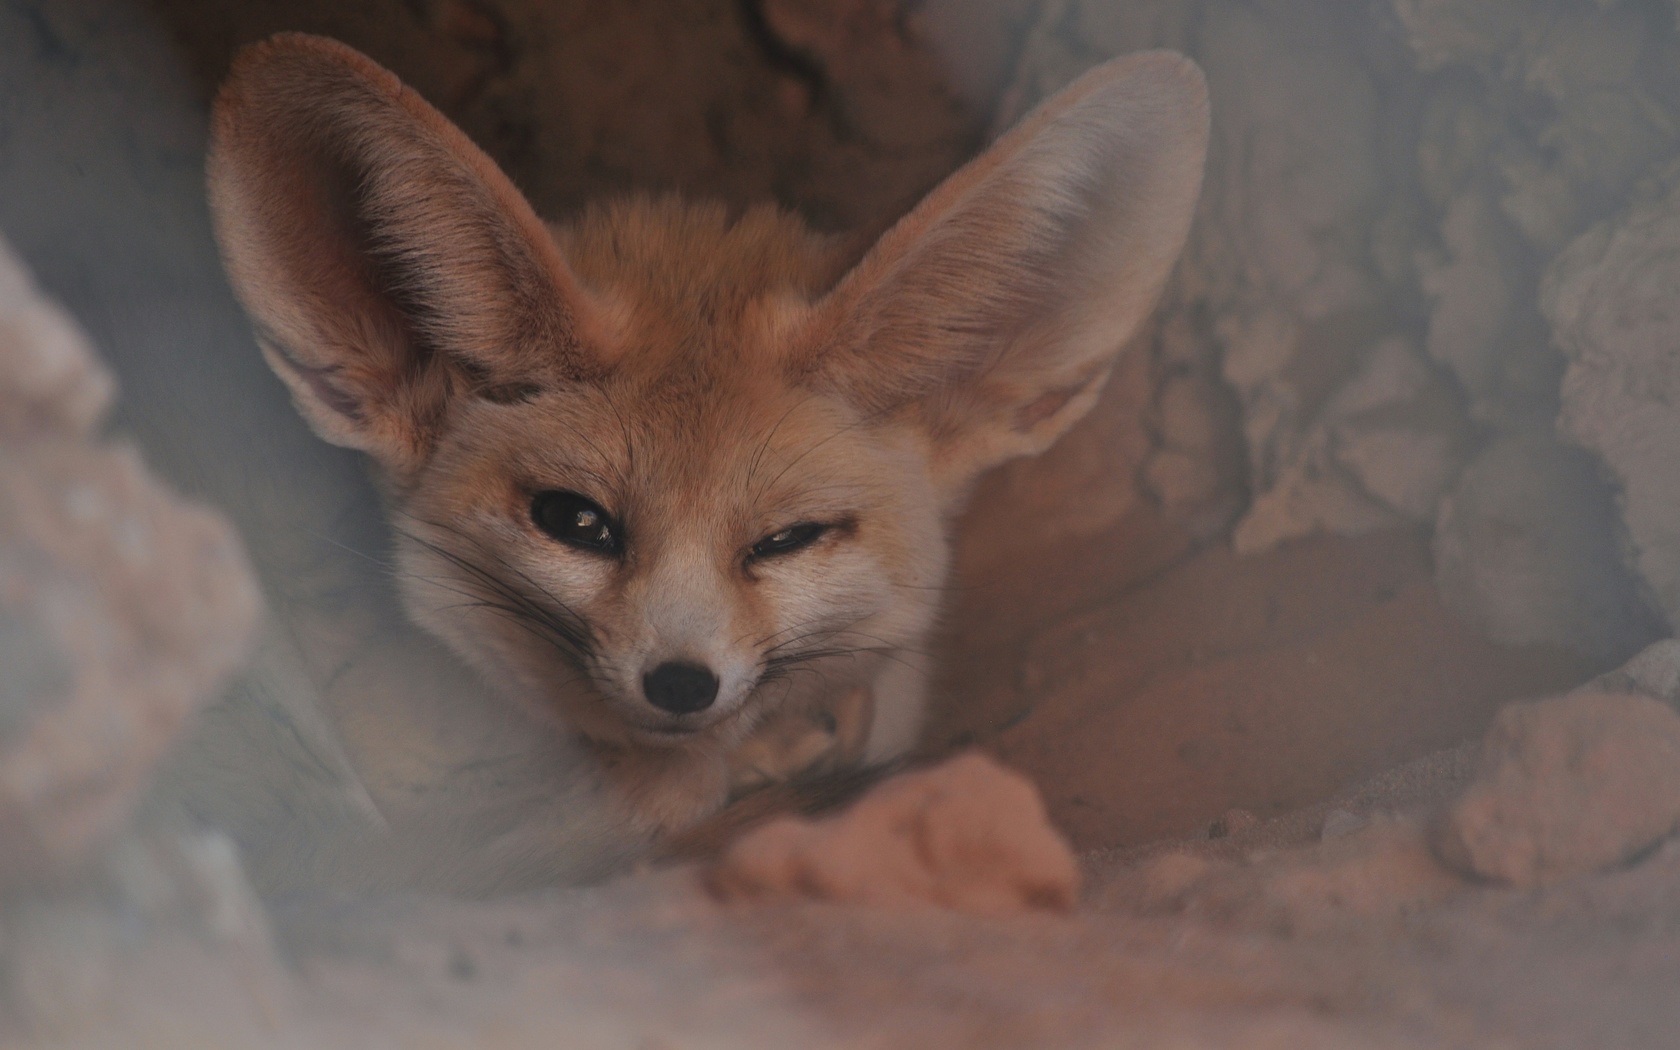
666, 467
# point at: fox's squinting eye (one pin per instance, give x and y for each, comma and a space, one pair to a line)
788, 540
575, 520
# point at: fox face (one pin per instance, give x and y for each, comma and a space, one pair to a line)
669, 472
688, 535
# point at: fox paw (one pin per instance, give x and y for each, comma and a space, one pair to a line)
793, 743
664, 791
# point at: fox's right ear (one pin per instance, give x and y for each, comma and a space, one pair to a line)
388, 264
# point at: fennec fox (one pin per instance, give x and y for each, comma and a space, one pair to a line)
669, 472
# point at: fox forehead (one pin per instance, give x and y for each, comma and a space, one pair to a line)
693, 405
694, 288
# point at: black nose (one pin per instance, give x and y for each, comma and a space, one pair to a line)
681, 689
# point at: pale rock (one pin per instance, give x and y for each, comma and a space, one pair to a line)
1407, 469
1184, 469
122, 609
1609, 126
49, 377
1282, 263
1312, 496
1460, 130
1540, 201
1611, 301
1470, 31
1525, 548
1565, 787
1390, 373
1394, 429
1475, 325
1293, 180
1653, 672
1340, 823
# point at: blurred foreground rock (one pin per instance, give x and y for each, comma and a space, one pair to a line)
122, 609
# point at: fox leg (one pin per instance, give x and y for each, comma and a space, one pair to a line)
665, 790
803, 741
867, 725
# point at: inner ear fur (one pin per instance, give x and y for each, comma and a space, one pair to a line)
991, 314
388, 264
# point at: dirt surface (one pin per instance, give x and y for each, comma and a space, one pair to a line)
1334, 926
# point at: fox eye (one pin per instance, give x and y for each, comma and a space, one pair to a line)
575, 520
789, 539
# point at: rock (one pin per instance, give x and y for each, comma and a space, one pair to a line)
1448, 31
121, 608
1565, 787
1277, 274
1273, 251
1406, 468
1610, 299
1340, 823
1525, 548
1234, 821
1482, 322
968, 835
1655, 672
49, 379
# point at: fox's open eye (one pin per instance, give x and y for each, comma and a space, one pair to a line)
789, 539
575, 520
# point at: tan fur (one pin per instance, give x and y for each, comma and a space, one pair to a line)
708, 378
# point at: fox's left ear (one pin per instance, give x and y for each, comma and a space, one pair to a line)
992, 313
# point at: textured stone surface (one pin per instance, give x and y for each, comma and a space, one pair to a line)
1566, 787
1611, 300
1381, 203
1654, 672
1526, 547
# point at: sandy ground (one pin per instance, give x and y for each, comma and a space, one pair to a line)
1329, 927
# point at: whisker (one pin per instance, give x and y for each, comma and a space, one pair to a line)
558, 627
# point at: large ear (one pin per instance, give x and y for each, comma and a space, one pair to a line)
992, 313
388, 264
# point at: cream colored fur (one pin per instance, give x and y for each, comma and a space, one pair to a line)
707, 378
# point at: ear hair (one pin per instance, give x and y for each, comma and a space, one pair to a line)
991, 314
388, 264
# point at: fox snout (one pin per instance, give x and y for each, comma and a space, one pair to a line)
680, 688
